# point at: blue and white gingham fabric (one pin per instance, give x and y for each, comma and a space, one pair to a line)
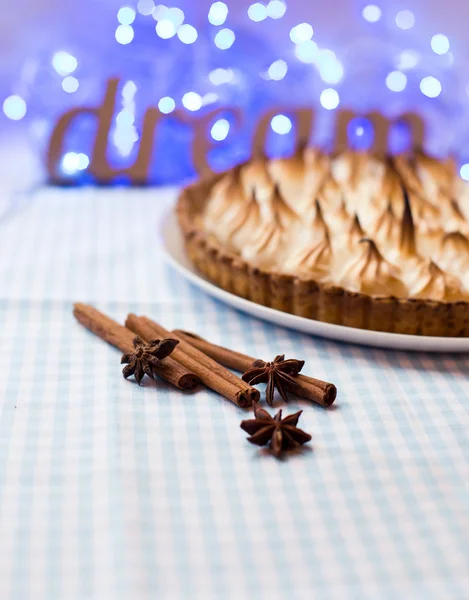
109, 491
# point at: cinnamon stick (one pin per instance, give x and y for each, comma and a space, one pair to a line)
122, 338
212, 374
318, 391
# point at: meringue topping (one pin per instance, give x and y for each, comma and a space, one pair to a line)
434, 284
370, 273
398, 226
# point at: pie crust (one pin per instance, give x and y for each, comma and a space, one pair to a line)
306, 296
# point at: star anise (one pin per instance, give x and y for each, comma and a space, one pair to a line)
283, 434
146, 357
276, 374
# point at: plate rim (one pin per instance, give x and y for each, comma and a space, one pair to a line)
341, 333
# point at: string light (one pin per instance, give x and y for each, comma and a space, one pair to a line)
220, 130
371, 13
257, 12
396, 81
224, 39
301, 33
187, 34
218, 13
124, 34
405, 19
329, 99
440, 43
14, 107
464, 172
276, 9
192, 101
126, 15
166, 105
281, 124
430, 86
64, 63
70, 84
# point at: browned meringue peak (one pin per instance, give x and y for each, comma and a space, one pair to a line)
370, 273
275, 209
300, 176
248, 218
453, 254
263, 244
435, 175
355, 232
386, 229
338, 219
453, 218
255, 176
227, 200
431, 283
307, 232
314, 261
404, 167
391, 190
407, 246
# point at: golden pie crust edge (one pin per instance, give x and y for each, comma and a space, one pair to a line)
309, 298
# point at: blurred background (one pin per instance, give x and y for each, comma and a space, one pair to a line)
192, 59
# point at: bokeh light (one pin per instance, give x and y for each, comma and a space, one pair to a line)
405, 19
396, 81
220, 76
430, 86
14, 107
277, 70
329, 99
70, 84
464, 171
371, 13
307, 51
165, 29
257, 12
166, 105
124, 34
276, 9
218, 13
126, 15
281, 124
220, 130
408, 59
224, 39
301, 33
187, 34
192, 101
440, 43
64, 62
145, 7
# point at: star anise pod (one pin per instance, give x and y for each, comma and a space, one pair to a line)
276, 374
283, 434
146, 356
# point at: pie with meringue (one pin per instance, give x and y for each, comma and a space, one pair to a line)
352, 239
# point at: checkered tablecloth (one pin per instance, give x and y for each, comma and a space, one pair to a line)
109, 491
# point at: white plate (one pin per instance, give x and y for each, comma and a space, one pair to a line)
175, 254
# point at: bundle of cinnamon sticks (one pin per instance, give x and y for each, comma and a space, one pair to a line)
195, 360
